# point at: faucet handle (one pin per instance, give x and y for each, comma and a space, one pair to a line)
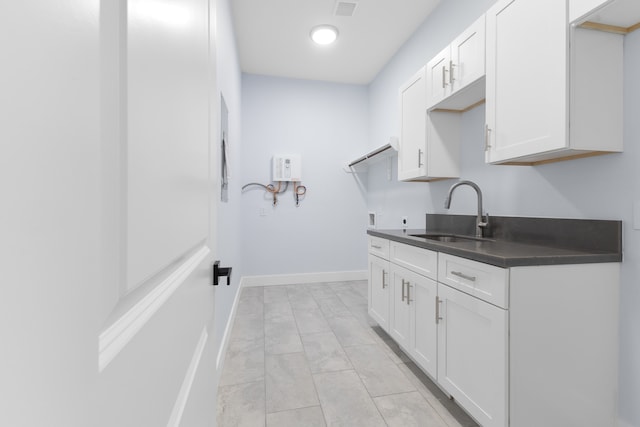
485, 220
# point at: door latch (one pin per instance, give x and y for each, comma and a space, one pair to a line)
221, 272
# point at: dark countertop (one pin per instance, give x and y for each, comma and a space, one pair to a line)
513, 241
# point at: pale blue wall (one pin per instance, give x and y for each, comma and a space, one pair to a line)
601, 187
327, 125
228, 249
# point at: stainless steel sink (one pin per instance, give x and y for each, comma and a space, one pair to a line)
450, 238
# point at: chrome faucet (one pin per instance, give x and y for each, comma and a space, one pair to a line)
480, 221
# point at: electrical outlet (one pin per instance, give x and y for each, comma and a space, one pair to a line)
404, 222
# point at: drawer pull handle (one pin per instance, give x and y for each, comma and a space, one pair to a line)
376, 247
464, 276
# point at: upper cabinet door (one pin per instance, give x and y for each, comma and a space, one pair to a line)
413, 112
438, 77
467, 62
527, 89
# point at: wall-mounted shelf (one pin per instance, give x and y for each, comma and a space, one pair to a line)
362, 163
615, 16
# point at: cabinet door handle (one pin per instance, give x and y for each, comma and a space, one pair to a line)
420, 153
451, 77
487, 136
438, 301
384, 285
408, 293
444, 77
403, 296
464, 276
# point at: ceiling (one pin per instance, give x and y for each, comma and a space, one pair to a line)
273, 36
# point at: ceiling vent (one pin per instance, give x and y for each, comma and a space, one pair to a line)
345, 8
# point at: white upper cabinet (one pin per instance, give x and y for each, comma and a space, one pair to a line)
553, 92
411, 149
429, 143
439, 77
451, 73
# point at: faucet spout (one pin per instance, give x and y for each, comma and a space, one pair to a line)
481, 222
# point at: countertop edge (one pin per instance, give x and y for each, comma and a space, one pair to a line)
570, 257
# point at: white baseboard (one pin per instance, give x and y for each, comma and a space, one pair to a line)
294, 279
222, 351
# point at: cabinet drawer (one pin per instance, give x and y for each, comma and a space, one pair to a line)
483, 281
379, 247
418, 260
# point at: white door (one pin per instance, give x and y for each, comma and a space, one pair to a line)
107, 213
472, 355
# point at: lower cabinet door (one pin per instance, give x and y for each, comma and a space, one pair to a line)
400, 310
472, 355
378, 304
413, 325
424, 340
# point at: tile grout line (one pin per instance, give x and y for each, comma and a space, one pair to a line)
355, 312
264, 352
358, 374
315, 386
435, 410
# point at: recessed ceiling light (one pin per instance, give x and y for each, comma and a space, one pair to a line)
324, 34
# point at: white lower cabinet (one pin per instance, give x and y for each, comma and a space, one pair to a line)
413, 314
379, 291
378, 294
510, 345
423, 345
400, 309
472, 354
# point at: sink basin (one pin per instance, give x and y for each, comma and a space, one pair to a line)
449, 238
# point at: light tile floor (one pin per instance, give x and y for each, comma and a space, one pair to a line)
309, 355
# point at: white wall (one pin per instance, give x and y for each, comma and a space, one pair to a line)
599, 187
326, 124
229, 250
389, 199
